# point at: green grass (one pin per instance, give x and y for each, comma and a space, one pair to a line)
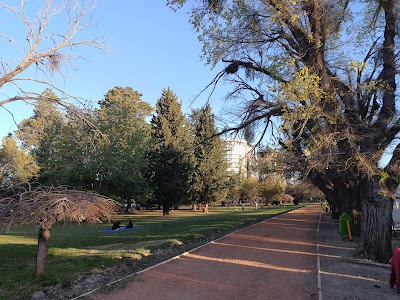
76, 249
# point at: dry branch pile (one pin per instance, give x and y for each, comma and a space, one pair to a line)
43, 206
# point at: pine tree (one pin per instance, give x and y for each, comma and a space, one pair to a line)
121, 164
209, 181
172, 159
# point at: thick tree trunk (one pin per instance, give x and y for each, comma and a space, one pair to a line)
365, 196
376, 223
42, 250
205, 209
194, 206
341, 191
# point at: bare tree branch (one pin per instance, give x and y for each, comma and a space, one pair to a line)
47, 51
43, 206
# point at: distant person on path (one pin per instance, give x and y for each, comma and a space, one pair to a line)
255, 204
242, 206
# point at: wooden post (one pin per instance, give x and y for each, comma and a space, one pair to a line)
349, 230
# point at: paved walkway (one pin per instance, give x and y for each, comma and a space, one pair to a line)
298, 255
275, 259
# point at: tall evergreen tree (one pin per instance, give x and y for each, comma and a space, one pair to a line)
209, 181
121, 164
172, 157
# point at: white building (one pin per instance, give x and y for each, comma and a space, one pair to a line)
240, 157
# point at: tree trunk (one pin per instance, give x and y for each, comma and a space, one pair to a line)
42, 250
205, 208
341, 191
376, 223
194, 206
365, 196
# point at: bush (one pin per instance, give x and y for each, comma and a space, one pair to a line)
282, 198
296, 201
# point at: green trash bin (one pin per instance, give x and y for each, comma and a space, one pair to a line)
342, 223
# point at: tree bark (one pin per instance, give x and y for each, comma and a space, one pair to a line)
376, 223
342, 192
42, 250
205, 208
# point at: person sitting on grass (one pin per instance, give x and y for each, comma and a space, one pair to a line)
129, 224
116, 225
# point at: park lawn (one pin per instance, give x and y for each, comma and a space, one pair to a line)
77, 249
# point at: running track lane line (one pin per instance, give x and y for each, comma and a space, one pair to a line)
319, 262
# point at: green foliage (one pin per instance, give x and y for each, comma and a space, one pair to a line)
172, 159
16, 164
49, 136
272, 161
272, 185
121, 163
209, 180
250, 188
234, 187
70, 150
305, 191
282, 198
303, 100
383, 176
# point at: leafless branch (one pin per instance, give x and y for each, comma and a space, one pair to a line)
46, 50
43, 206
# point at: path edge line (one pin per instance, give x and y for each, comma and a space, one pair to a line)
319, 261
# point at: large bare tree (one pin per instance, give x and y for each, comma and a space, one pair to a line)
43, 43
328, 70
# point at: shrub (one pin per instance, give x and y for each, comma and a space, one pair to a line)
282, 198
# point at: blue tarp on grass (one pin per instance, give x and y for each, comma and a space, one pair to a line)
121, 229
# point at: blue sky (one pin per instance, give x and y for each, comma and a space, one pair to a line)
153, 48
